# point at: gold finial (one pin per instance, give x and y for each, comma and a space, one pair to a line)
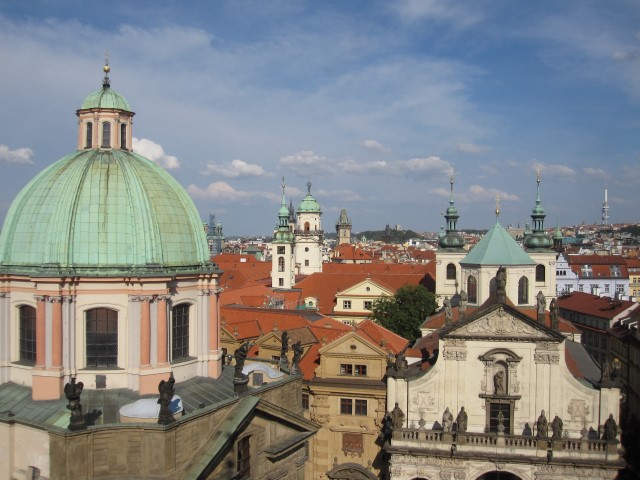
497, 206
451, 175
538, 173
106, 67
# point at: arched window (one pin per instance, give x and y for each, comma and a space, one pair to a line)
540, 273
106, 134
281, 264
451, 272
123, 136
102, 338
472, 289
307, 227
180, 332
89, 139
523, 290
27, 317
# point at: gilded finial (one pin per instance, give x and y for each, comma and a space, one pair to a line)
497, 206
538, 174
106, 69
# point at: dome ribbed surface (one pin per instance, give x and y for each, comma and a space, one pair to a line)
309, 205
103, 213
106, 98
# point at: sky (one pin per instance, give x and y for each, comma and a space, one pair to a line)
373, 102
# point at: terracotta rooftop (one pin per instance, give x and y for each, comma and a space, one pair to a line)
593, 305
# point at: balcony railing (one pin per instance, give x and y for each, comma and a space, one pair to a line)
494, 443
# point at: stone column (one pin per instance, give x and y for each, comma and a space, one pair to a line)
145, 331
56, 332
215, 354
40, 331
162, 330
5, 336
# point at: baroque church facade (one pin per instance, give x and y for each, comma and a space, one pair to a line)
504, 388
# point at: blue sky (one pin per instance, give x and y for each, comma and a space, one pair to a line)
374, 102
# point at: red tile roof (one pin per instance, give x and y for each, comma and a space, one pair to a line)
593, 305
377, 333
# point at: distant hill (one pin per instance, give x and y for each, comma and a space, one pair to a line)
397, 236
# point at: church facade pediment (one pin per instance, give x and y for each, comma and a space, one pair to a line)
502, 323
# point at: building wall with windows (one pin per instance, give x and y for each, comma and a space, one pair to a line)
347, 397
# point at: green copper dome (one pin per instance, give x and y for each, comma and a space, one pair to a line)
308, 204
106, 98
103, 213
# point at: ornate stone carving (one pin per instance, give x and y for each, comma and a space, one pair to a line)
424, 401
500, 324
578, 409
458, 355
546, 357
454, 342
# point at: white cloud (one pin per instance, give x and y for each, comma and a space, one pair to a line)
595, 172
343, 195
424, 165
476, 193
374, 146
351, 166
19, 155
223, 191
154, 152
554, 170
460, 15
306, 162
236, 169
471, 148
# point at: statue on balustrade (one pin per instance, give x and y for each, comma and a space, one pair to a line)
397, 416
610, 429
542, 427
447, 420
461, 421
556, 428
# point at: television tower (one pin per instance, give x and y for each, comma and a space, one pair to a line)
605, 208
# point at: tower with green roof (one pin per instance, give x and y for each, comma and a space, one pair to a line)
498, 249
106, 269
451, 249
539, 246
282, 249
309, 235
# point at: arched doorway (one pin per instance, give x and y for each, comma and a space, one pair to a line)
497, 475
350, 471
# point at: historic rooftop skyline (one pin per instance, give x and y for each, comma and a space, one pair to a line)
373, 103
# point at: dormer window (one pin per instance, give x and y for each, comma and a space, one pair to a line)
89, 138
106, 135
123, 136
587, 271
615, 270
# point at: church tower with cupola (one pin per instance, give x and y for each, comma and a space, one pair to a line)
539, 246
450, 251
343, 229
282, 251
309, 235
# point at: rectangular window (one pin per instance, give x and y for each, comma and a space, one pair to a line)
494, 417
361, 407
580, 288
244, 459
346, 406
346, 369
306, 263
281, 282
281, 249
361, 370
620, 289
106, 135
368, 304
180, 332
258, 379
305, 401
27, 334
346, 304
606, 287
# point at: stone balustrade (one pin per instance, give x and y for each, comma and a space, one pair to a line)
493, 443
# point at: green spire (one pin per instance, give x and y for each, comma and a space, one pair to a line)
538, 238
451, 239
283, 234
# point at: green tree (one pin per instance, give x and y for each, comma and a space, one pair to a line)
405, 311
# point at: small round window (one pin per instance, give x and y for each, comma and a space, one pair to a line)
306, 249
368, 289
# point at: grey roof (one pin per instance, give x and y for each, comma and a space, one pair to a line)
102, 406
586, 364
